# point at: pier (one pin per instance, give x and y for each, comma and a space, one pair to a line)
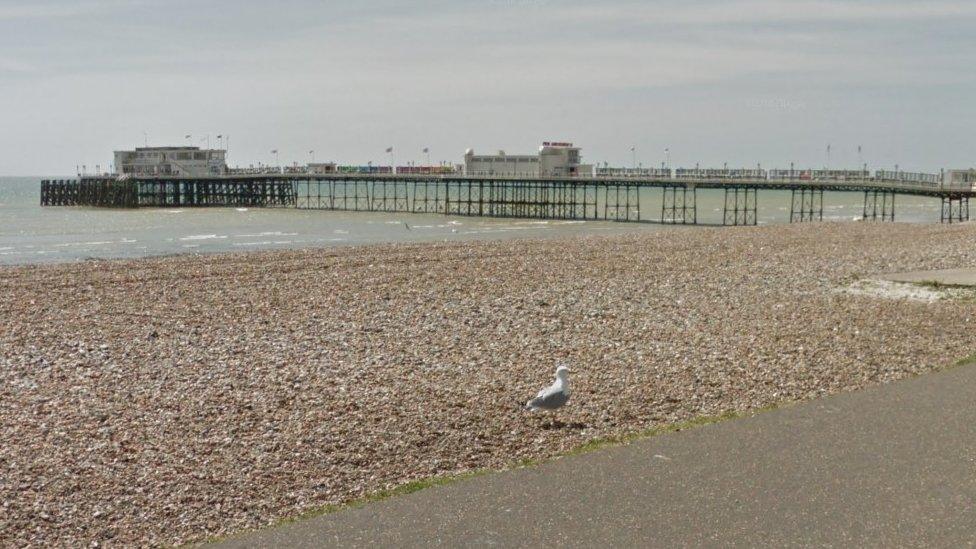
668, 200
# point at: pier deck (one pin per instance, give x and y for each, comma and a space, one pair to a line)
577, 198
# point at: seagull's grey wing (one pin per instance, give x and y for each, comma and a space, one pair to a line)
549, 399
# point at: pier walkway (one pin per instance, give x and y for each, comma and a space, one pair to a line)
890, 465
648, 200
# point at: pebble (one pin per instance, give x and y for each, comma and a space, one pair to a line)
164, 401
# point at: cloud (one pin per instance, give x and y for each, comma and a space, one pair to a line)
47, 10
8, 65
302, 74
766, 11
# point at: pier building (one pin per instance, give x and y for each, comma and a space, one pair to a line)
501, 164
319, 168
554, 159
961, 178
171, 161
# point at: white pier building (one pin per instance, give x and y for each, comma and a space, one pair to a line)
554, 159
169, 161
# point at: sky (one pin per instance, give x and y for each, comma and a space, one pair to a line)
748, 82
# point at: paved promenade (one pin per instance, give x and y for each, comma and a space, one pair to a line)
949, 277
890, 465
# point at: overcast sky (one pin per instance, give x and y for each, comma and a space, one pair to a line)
743, 82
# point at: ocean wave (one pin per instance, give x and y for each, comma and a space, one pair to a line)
267, 233
203, 237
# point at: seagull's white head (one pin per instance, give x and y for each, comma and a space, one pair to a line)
562, 371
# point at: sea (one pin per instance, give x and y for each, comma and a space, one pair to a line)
32, 234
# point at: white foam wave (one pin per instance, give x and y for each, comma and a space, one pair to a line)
267, 233
203, 237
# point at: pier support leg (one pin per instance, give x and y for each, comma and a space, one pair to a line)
879, 205
806, 205
621, 202
740, 206
680, 205
955, 208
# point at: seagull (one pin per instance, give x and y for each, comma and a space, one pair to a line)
553, 396
407, 226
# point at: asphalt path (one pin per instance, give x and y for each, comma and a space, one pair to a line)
891, 465
950, 277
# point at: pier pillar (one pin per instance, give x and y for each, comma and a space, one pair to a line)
427, 197
806, 205
680, 205
621, 202
741, 204
389, 195
315, 198
955, 208
879, 205
590, 198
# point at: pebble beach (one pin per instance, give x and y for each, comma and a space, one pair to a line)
171, 400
